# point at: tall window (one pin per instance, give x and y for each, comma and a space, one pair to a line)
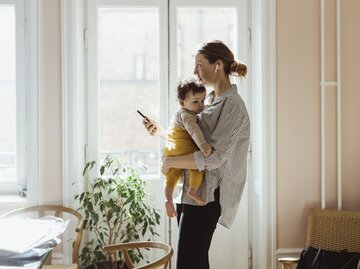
137, 52
12, 97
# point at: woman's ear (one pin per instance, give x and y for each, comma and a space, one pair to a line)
218, 64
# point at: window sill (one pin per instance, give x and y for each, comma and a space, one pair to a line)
11, 198
9, 202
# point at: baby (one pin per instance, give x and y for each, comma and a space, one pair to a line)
183, 137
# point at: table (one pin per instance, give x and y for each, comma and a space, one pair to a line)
26, 243
32, 262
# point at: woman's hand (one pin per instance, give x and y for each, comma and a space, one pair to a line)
181, 162
152, 127
165, 165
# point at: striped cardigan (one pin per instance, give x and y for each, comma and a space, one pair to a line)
225, 124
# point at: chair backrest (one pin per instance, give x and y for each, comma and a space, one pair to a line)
57, 211
334, 230
124, 247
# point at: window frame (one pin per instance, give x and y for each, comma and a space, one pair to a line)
261, 63
167, 61
12, 187
27, 102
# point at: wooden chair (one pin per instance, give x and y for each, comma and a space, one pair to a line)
124, 247
57, 211
331, 230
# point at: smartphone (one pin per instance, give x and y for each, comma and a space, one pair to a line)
142, 115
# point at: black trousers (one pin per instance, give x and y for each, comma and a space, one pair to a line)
196, 227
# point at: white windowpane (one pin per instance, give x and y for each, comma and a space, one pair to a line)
128, 41
196, 25
7, 95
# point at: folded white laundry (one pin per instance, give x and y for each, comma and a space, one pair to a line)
21, 235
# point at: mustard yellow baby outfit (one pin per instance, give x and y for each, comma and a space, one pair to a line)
183, 137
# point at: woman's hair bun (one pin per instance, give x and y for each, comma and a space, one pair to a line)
238, 69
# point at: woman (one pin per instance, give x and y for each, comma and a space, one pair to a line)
226, 125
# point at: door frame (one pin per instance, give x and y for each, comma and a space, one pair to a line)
263, 86
262, 29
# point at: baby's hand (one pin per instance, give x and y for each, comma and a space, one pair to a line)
206, 149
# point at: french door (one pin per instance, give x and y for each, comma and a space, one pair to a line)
137, 51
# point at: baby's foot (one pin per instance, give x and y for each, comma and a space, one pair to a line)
195, 196
170, 209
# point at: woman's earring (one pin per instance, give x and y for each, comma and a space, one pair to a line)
216, 68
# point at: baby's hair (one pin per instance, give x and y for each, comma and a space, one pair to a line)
188, 85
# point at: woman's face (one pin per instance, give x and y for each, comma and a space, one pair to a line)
204, 70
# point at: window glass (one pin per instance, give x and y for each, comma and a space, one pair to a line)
128, 40
201, 24
7, 95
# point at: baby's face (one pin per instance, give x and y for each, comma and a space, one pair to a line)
194, 102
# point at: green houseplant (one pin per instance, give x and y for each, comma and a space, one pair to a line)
116, 209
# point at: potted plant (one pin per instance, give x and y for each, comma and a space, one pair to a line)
116, 209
